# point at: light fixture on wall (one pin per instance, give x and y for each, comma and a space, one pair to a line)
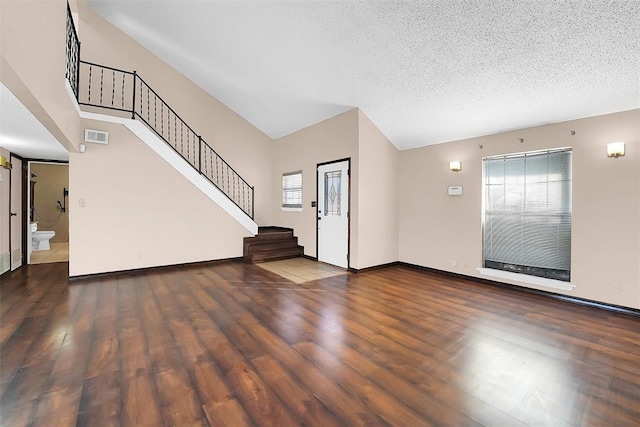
4, 163
455, 166
615, 149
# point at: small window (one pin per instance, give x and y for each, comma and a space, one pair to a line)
332, 193
292, 190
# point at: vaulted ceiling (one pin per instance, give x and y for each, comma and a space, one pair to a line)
424, 72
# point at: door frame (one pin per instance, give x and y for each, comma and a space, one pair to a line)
23, 203
27, 197
348, 160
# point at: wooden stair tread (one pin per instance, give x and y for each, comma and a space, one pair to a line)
275, 235
274, 254
271, 243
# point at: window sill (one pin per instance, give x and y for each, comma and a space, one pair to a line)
523, 278
291, 209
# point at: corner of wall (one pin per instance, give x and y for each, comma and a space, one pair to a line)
378, 196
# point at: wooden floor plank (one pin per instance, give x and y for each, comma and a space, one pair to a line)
257, 398
233, 344
100, 403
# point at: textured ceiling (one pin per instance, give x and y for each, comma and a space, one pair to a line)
423, 71
22, 134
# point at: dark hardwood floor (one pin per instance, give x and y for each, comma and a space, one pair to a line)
232, 344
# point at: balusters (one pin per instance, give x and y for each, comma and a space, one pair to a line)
113, 87
175, 132
90, 77
72, 55
101, 84
124, 76
189, 145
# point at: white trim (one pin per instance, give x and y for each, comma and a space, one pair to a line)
524, 278
291, 209
174, 159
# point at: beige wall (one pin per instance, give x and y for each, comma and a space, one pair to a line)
436, 229
32, 63
140, 212
378, 161
331, 139
51, 180
4, 204
374, 167
242, 145
109, 239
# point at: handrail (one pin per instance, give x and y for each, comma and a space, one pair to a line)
107, 67
126, 91
225, 162
120, 93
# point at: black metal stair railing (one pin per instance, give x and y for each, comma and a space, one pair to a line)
109, 88
73, 54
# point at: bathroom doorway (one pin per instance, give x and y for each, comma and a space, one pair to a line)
48, 212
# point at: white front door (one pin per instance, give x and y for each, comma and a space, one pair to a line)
16, 213
333, 215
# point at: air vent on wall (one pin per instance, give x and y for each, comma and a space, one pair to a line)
96, 136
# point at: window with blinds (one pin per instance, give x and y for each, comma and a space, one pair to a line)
292, 190
527, 213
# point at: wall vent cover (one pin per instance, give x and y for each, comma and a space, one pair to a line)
96, 136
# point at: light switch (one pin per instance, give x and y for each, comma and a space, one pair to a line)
82, 203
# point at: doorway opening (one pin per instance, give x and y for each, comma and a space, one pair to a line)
48, 212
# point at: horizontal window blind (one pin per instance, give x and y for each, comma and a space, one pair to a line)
292, 190
527, 213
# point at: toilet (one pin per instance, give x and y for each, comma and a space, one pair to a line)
40, 239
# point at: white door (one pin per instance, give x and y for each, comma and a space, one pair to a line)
333, 215
16, 213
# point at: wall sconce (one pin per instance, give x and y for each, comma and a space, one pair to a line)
615, 149
455, 166
4, 163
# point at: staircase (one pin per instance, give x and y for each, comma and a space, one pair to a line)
270, 244
130, 101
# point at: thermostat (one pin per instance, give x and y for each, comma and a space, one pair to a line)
455, 190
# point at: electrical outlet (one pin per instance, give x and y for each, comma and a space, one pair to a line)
467, 263
454, 262
616, 289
